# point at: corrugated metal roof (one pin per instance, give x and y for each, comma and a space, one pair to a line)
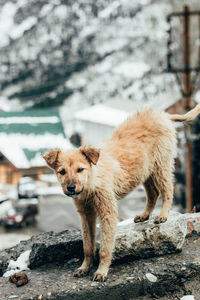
25, 135
31, 122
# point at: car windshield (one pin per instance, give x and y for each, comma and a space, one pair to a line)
19, 209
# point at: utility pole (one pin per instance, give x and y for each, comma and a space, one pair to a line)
187, 106
187, 87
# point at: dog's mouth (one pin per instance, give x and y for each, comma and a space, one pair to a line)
71, 194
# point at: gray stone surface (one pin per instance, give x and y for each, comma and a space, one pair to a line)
45, 248
177, 275
56, 247
148, 239
135, 240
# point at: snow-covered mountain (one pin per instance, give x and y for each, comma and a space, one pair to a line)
83, 51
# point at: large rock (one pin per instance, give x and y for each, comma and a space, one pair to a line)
56, 247
171, 276
148, 239
45, 248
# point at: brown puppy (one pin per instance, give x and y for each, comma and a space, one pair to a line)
141, 151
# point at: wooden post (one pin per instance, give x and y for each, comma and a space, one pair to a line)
187, 106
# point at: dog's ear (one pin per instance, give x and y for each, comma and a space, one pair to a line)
51, 157
91, 154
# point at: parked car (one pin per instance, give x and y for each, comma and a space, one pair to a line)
21, 215
26, 188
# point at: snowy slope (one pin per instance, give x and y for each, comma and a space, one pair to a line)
89, 51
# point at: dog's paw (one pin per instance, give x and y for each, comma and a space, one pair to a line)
99, 277
160, 219
141, 218
81, 272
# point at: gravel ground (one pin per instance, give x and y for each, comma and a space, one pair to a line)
177, 275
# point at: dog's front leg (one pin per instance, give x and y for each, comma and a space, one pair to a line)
88, 220
107, 212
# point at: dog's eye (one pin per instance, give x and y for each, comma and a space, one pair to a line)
62, 172
79, 170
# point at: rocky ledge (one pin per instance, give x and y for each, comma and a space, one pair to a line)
150, 261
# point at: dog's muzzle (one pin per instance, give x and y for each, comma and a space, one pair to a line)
71, 190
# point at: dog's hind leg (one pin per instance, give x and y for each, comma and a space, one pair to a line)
88, 220
152, 196
165, 183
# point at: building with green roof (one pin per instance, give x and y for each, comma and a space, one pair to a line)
24, 136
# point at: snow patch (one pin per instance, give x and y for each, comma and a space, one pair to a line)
19, 30
132, 69
29, 120
5, 105
189, 297
22, 2
46, 9
102, 114
21, 264
61, 11
109, 10
151, 277
14, 154
7, 14
37, 161
8, 28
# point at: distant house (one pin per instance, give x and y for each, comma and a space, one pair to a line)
96, 123
24, 136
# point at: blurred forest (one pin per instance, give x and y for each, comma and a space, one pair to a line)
83, 51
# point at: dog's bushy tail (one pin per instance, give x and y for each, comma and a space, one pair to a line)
189, 116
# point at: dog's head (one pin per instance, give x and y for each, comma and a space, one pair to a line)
73, 168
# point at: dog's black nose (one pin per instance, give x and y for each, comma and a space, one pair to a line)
71, 188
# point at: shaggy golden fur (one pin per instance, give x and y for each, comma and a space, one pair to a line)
141, 151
